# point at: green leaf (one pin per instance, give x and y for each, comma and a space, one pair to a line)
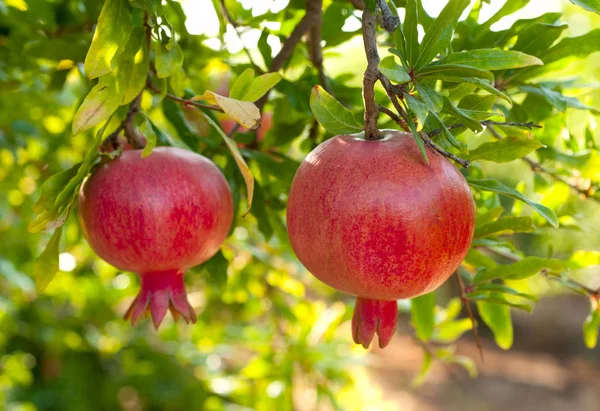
459, 145
590, 5
568, 47
538, 37
52, 187
431, 97
112, 31
420, 378
260, 86
422, 310
497, 318
264, 48
239, 160
583, 258
527, 267
168, 60
393, 71
450, 331
555, 98
399, 39
497, 299
411, 35
438, 36
418, 107
482, 84
505, 150
505, 226
216, 267
499, 288
478, 259
497, 187
418, 139
132, 68
45, 266
477, 102
470, 122
489, 216
100, 103
148, 131
331, 114
442, 71
241, 84
492, 59
590, 326
508, 8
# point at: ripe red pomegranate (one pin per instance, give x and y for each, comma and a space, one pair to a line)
156, 216
372, 219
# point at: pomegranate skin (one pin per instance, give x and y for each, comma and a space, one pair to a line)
372, 219
156, 216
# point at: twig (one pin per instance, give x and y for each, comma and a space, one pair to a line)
390, 21
235, 26
465, 300
371, 76
314, 45
133, 135
307, 22
425, 137
359, 4
536, 166
183, 101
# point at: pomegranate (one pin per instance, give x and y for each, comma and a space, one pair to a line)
372, 219
156, 216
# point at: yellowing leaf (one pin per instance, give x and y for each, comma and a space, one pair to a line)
237, 156
244, 112
113, 30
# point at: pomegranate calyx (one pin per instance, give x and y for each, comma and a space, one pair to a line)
374, 317
161, 291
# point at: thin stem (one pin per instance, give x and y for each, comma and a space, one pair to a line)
425, 137
314, 45
467, 304
183, 101
371, 75
307, 22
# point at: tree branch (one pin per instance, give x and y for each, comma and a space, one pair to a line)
390, 21
371, 76
312, 14
359, 4
314, 44
467, 304
230, 20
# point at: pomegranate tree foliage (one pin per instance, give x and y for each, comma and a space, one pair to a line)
264, 324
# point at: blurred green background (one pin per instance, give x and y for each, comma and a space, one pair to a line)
273, 337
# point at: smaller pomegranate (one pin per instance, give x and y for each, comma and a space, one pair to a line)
156, 216
372, 219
